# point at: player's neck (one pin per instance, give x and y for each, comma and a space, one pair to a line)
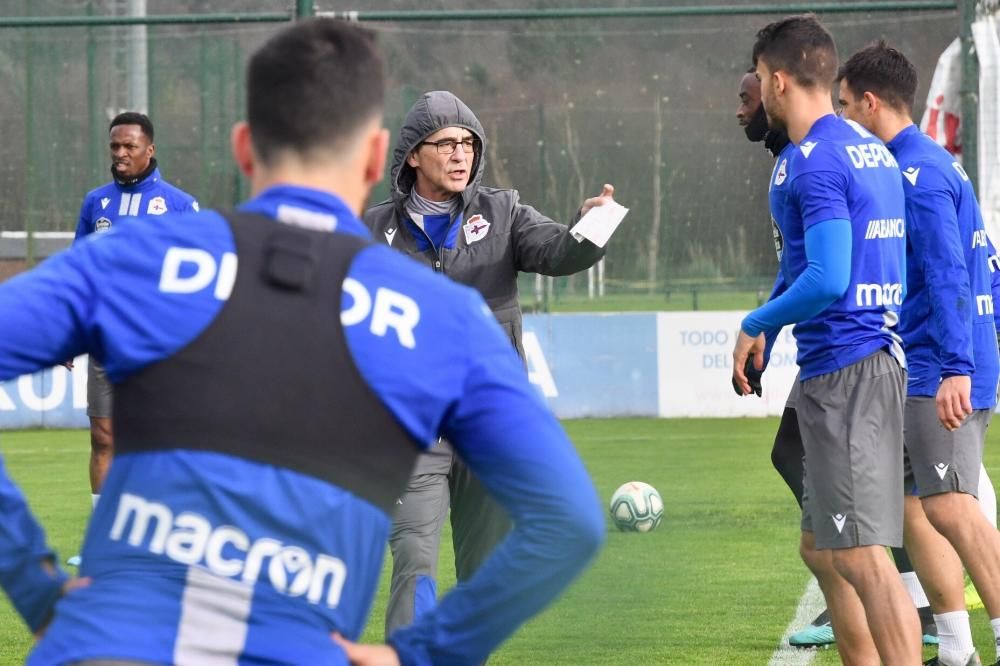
806, 108
343, 182
890, 125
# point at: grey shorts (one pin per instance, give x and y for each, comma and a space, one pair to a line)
938, 460
98, 391
793, 395
852, 432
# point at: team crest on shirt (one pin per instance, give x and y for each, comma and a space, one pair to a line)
782, 172
102, 224
157, 206
475, 229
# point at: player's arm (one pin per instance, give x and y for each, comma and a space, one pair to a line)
933, 232
820, 196
825, 279
29, 573
511, 441
544, 246
46, 313
994, 264
754, 374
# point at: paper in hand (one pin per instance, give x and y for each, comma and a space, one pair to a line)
599, 223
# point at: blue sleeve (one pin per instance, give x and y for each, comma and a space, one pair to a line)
933, 233
994, 263
83, 221
475, 392
771, 335
104, 293
825, 279
28, 570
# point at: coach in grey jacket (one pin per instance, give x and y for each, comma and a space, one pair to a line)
441, 215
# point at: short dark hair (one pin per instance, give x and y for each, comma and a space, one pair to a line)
134, 118
800, 46
311, 86
883, 71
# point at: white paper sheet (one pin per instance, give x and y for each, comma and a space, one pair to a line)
599, 223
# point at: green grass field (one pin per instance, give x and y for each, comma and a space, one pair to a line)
717, 583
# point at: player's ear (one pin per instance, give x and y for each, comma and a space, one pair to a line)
779, 81
151, 149
873, 103
378, 148
242, 148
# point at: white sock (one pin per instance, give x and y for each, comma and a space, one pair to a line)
995, 623
987, 497
955, 635
93, 499
915, 590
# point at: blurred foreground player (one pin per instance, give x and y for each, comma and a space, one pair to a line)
276, 375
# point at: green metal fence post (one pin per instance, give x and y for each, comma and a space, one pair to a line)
303, 8
93, 161
970, 94
29, 144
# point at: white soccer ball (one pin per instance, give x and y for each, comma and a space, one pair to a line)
636, 507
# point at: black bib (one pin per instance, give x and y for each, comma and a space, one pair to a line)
271, 379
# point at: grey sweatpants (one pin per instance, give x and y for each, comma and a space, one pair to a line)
478, 524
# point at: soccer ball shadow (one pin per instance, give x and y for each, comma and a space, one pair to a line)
636, 507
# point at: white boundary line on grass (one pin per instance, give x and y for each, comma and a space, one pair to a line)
810, 606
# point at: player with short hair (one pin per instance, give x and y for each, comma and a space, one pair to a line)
948, 330
787, 452
275, 376
843, 293
137, 188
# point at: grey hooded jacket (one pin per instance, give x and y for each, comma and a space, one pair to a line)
518, 237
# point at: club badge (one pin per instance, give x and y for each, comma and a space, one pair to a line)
475, 229
157, 206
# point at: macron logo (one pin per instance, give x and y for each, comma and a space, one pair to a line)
807, 148
389, 235
227, 551
911, 175
941, 469
838, 520
104, 203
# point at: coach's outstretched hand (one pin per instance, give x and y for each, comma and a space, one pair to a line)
747, 348
367, 655
607, 195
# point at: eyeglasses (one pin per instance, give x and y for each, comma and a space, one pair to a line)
448, 146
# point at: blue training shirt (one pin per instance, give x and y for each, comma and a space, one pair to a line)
282, 559
152, 196
840, 171
947, 318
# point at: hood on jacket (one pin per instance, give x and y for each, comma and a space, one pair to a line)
434, 111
